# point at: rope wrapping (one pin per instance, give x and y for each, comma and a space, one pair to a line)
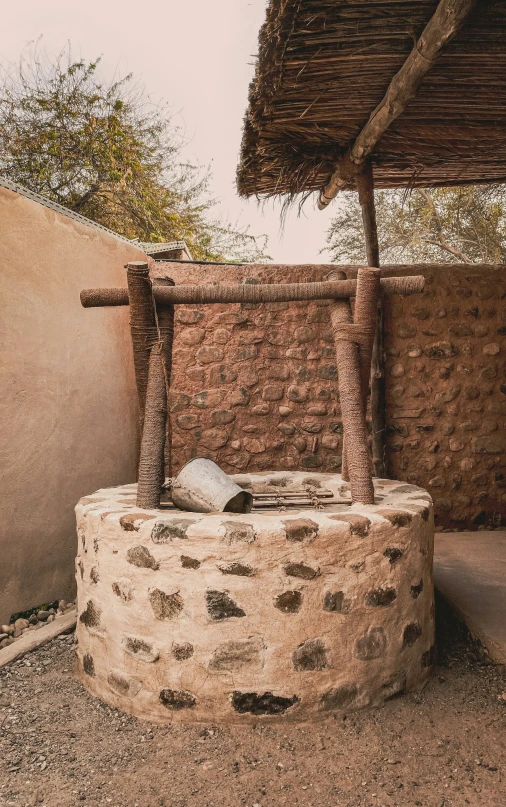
151, 462
164, 315
365, 318
253, 293
356, 464
341, 319
142, 326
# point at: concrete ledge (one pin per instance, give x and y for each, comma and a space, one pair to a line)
470, 572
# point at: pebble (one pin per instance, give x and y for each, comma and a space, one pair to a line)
7, 628
43, 615
20, 624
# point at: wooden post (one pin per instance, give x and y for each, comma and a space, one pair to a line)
355, 454
165, 325
365, 187
151, 462
142, 326
340, 314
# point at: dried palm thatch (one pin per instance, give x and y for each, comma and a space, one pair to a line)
323, 67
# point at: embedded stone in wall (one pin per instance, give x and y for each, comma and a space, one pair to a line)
208, 398
123, 589
221, 606
412, 632
142, 557
359, 525
336, 602
266, 704
142, 650
342, 697
300, 529
91, 615
132, 521
380, 597
301, 570
236, 654
310, 655
165, 531
289, 602
238, 532
371, 645
126, 685
393, 553
177, 699
88, 665
238, 569
188, 562
183, 651
165, 606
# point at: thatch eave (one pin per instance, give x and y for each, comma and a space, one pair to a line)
323, 67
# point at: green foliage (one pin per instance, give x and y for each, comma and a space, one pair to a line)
446, 225
104, 150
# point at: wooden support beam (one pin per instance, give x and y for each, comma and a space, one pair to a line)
250, 293
446, 21
340, 314
352, 404
142, 324
365, 187
165, 326
151, 462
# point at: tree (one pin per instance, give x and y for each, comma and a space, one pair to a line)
447, 225
102, 149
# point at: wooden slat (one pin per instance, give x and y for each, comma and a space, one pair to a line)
33, 639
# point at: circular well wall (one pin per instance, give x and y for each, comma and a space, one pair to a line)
286, 614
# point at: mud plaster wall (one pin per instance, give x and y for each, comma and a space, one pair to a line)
68, 411
255, 386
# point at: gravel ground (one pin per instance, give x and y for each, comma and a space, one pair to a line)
444, 746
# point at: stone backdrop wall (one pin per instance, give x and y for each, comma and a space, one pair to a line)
255, 386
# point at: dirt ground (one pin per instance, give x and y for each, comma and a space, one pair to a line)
445, 746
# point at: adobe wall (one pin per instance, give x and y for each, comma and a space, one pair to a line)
255, 385
68, 409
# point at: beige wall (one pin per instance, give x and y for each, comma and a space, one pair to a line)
67, 403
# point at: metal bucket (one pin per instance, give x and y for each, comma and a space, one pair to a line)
202, 487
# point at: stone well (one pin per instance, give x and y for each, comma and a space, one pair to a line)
224, 617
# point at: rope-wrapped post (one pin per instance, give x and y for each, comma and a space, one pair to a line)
340, 314
365, 315
365, 187
151, 462
165, 323
142, 326
347, 336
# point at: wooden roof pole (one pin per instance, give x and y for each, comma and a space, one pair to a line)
375, 360
446, 21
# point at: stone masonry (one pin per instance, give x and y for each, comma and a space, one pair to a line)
237, 617
255, 386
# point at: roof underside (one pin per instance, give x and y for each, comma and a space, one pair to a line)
323, 67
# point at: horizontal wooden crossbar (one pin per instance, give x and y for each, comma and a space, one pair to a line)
253, 293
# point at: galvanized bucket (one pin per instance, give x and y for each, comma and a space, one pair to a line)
202, 487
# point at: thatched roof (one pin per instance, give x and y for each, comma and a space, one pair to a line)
323, 67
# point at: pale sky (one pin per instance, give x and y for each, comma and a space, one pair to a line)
196, 55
